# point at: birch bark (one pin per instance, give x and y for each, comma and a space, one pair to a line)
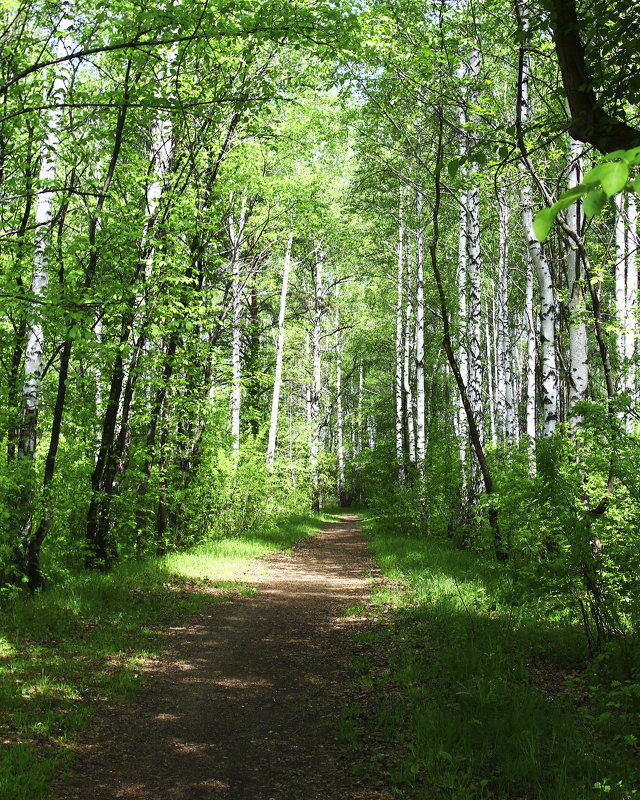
474, 269
399, 348
342, 485
631, 326
504, 391
316, 388
34, 351
620, 275
420, 398
408, 345
277, 380
463, 356
578, 342
54, 99
490, 355
545, 283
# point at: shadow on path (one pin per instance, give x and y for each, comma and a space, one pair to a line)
245, 706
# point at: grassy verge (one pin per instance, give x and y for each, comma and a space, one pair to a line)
489, 698
65, 652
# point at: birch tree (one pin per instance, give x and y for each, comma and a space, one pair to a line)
549, 399
419, 357
408, 346
316, 386
474, 268
54, 99
342, 484
461, 282
578, 342
399, 348
277, 378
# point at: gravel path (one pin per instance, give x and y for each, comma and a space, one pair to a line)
246, 704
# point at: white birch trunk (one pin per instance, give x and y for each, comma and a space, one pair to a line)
34, 350
490, 382
531, 360
399, 349
360, 423
317, 374
309, 389
547, 293
475, 306
631, 326
463, 356
342, 485
408, 344
277, 379
620, 275
578, 341
97, 332
420, 398
503, 351
474, 277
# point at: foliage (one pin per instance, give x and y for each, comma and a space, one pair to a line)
616, 174
493, 697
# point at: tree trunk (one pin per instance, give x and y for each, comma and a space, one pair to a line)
342, 484
236, 387
408, 344
399, 349
530, 425
503, 355
474, 434
461, 280
420, 398
277, 380
620, 275
631, 326
34, 350
316, 388
578, 342
474, 268
545, 280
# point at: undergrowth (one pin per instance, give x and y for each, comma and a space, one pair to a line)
82, 644
494, 697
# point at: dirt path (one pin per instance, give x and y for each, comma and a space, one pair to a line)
247, 702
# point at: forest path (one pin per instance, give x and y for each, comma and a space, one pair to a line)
246, 704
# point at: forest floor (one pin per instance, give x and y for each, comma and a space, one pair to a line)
248, 702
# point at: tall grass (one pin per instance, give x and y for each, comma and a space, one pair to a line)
64, 652
497, 698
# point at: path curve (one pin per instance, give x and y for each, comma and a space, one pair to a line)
246, 704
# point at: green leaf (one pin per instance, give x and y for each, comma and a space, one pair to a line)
543, 221
594, 202
453, 166
617, 154
614, 177
570, 196
635, 185
594, 176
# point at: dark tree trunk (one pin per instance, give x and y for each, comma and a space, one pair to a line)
589, 121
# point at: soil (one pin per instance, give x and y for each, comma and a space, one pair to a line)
248, 702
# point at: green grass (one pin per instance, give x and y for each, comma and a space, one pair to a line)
71, 648
496, 699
